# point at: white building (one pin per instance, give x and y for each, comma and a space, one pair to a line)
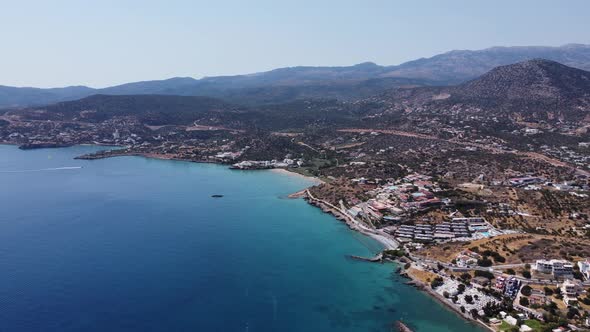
556, 267
570, 290
511, 320
585, 268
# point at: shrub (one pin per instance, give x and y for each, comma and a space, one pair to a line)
485, 274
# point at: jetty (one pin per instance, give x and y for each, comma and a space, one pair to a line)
376, 258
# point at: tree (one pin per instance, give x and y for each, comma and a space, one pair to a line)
485, 274
460, 288
572, 312
524, 301
548, 291
468, 299
526, 274
438, 281
526, 290
511, 271
484, 262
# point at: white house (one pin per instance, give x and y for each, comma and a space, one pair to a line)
585, 268
511, 320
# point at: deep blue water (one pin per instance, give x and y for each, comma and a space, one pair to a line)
133, 244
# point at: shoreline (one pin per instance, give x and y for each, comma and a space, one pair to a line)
284, 171
385, 242
352, 224
421, 286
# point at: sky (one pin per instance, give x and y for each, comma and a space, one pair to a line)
108, 42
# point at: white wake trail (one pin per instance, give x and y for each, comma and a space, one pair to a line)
44, 169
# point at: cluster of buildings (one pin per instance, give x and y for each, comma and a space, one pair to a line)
458, 229
537, 183
267, 164
467, 258
392, 201
418, 233
578, 157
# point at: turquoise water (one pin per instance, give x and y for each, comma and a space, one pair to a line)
133, 244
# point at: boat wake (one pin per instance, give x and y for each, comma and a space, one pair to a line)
44, 169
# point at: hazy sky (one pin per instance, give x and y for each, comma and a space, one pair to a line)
100, 43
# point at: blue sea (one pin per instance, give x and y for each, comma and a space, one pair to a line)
136, 244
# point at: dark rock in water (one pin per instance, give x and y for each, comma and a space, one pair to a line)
216, 196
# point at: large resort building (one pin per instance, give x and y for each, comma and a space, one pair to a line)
555, 267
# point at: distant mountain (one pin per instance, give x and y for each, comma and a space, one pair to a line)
535, 81
293, 83
534, 89
277, 86
150, 109
15, 97
460, 66
530, 90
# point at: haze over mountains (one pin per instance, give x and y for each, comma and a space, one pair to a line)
344, 83
531, 90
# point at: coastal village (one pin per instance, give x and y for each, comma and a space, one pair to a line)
487, 213
502, 293
465, 238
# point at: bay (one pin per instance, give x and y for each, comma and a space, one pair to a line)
136, 244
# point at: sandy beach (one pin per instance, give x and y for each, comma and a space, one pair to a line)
287, 172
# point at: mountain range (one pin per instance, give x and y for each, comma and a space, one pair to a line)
343, 83
532, 90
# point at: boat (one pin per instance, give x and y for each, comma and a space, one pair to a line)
216, 196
